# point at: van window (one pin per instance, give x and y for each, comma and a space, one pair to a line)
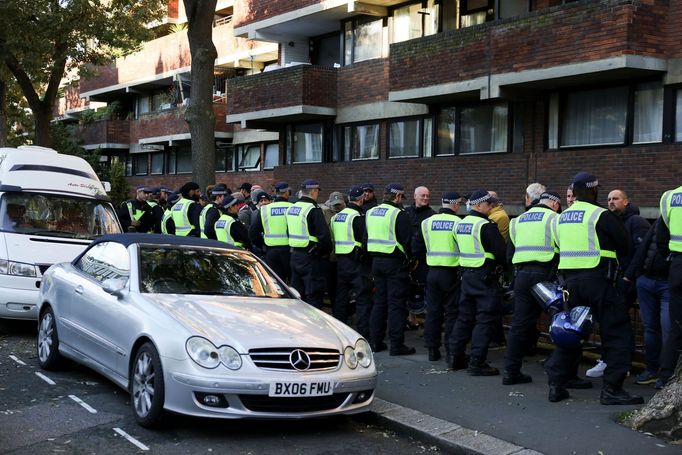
57, 216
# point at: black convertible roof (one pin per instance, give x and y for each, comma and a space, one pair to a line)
159, 239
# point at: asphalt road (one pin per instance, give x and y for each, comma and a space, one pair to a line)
76, 411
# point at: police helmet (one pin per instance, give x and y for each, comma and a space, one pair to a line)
570, 328
549, 295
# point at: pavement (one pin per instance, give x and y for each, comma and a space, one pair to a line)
479, 415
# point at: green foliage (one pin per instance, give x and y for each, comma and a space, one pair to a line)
120, 188
63, 142
111, 111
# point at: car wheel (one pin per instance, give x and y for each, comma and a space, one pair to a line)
147, 386
47, 343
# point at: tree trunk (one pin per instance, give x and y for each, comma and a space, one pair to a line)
3, 113
662, 415
42, 117
200, 114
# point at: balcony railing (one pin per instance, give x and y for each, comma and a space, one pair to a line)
103, 132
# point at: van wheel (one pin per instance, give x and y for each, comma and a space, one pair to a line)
47, 343
147, 393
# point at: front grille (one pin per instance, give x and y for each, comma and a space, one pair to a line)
264, 403
278, 358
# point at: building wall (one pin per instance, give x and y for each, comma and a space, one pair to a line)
248, 11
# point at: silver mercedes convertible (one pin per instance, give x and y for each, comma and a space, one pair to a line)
195, 327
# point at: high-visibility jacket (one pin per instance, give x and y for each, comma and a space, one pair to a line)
222, 230
575, 231
671, 212
531, 234
297, 225
202, 218
342, 229
135, 214
168, 214
381, 222
274, 219
471, 250
440, 237
180, 214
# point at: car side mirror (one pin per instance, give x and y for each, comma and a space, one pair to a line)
296, 294
114, 286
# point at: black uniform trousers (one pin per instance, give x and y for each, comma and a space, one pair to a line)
307, 276
480, 309
354, 283
592, 288
673, 345
523, 334
390, 301
442, 302
279, 260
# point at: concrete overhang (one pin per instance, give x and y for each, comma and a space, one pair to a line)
319, 19
116, 91
612, 69
170, 139
266, 119
106, 146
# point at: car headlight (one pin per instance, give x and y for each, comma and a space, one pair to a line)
17, 268
350, 358
363, 353
203, 352
230, 357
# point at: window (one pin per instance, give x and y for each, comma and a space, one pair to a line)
447, 123
474, 12
607, 116
410, 138
363, 39
180, 159
224, 157
157, 163
512, 8
143, 104
141, 164
249, 157
484, 128
595, 117
104, 261
271, 156
128, 171
326, 50
361, 142
414, 21
304, 143
648, 115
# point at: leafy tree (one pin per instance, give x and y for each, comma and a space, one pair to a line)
120, 188
16, 120
42, 39
199, 114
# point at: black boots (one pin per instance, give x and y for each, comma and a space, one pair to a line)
578, 383
557, 393
481, 369
612, 395
434, 354
509, 378
402, 350
457, 363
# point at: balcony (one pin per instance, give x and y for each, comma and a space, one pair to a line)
104, 134
581, 42
169, 124
297, 93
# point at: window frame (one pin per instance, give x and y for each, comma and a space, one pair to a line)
353, 128
240, 149
291, 130
137, 157
355, 21
266, 145
163, 163
421, 120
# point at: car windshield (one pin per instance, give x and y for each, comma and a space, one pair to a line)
185, 270
57, 216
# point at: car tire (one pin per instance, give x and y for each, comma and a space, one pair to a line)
47, 341
147, 388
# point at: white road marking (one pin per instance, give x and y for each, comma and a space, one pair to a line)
45, 378
89, 408
131, 439
17, 360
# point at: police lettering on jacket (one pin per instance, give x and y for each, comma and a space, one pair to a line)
381, 211
278, 211
442, 225
340, 217
531, 217
464, 228
572, 217
676, 200
294, 211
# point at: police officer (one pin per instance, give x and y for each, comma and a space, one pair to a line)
310, 240
186, 211
388, 241
589, 239
167, 223
438, 240
533, 252
136, 214
669, 240
269, 231
482, 258
228, 229
158, 202
353, 269
210, 213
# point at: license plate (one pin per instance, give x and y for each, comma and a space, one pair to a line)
300, 389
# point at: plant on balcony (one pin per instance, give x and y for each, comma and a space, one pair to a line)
112, 111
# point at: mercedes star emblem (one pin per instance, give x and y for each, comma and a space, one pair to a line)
299, 360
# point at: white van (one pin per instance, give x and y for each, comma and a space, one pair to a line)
51, 207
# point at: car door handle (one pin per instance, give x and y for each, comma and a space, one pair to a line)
79, 289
